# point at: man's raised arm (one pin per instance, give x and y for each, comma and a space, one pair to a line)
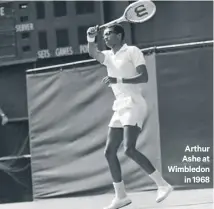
92, 46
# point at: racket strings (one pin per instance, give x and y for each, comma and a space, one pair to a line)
132, 16
139, 12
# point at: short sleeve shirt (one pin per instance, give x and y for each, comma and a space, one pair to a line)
123, 64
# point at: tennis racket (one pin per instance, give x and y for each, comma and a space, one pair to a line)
137, 12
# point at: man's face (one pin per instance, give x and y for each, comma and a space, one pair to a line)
110, 37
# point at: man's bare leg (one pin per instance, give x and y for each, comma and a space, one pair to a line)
131, 134
115, 138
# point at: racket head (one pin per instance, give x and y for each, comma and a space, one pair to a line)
140, 11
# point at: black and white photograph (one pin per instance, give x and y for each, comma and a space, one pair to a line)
106, 104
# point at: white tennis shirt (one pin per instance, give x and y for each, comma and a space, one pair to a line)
123, 65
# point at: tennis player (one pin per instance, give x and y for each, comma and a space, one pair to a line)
126, 72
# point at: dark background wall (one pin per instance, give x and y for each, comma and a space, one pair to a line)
185, 81
174, 22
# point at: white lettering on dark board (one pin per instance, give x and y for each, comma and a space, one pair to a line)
83, 49
42, 54
24, 27
64, 51
2, 11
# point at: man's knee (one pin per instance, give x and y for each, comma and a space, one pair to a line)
109, 152
129, 151
114, 139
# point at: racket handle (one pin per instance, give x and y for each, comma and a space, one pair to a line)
102, 27
117, 21
106, 25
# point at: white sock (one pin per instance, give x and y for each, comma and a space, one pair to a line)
158, 179
119, 189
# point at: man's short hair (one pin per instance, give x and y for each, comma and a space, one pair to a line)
118, 29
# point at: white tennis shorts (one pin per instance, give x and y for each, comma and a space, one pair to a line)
128, 112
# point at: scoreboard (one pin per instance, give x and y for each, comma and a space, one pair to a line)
7, 31
44, 29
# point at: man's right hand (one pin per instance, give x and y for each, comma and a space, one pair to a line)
93, 51
92, 31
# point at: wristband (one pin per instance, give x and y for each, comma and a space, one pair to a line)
89, 39
119, 80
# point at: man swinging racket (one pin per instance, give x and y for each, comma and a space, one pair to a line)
127, 70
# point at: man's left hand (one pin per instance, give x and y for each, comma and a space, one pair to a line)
109, 80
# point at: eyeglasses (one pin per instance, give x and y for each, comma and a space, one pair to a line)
108, 33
